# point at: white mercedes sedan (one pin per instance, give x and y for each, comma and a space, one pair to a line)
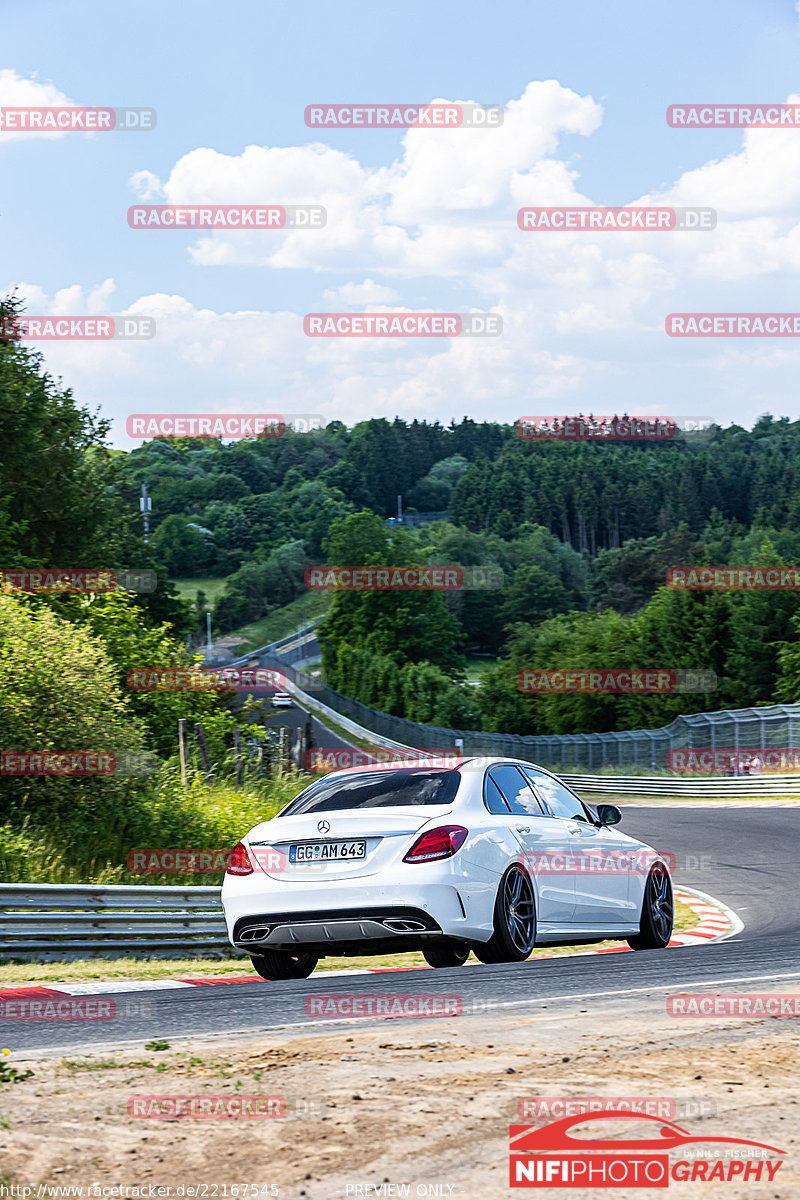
493, 856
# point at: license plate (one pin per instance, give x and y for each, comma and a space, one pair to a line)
326, 851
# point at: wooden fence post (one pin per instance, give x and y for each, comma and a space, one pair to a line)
201, 741
281, 751
183, 749
237, 749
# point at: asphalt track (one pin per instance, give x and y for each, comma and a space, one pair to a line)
744, 857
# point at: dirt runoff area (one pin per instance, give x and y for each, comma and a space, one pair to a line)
403, 1107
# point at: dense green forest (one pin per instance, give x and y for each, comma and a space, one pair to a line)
582, 534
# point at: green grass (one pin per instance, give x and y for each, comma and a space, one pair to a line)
187, 589
283, 621
272, 628
81, 848
105, 969
476, 665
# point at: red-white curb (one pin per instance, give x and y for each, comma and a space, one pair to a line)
716, 922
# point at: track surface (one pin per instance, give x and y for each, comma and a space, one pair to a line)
743, 857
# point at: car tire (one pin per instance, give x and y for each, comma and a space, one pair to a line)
453, 955
658, 912
281, 964
514, 921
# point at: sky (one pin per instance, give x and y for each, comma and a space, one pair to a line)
417, 219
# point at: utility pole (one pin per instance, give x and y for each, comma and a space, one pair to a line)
145, 508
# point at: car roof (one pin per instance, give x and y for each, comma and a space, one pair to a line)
436, 762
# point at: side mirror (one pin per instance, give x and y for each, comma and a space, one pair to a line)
608, 814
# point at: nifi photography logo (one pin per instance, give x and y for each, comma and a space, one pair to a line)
554, 1156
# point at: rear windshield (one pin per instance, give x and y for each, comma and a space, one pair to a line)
376, 789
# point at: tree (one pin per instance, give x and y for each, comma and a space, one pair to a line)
184, 549
57, 497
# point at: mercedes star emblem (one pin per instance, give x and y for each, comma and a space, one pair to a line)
323, 827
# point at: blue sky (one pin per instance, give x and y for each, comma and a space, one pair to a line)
412, 224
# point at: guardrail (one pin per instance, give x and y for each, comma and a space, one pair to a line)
659, 785
51, 921
274, 648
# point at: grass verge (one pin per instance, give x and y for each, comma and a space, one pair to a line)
85, 971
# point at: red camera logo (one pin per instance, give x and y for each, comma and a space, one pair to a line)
554, 1156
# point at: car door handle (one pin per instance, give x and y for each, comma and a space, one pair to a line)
575, 833
523, 829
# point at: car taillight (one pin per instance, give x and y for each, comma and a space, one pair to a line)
239, 861
437, 843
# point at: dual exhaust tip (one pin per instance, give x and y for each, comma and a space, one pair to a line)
260, 933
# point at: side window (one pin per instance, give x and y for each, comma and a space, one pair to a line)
519, 795
559, 799
493, 797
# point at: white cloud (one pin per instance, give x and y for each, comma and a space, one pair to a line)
361, 294
583, 312
18, 92
146, 185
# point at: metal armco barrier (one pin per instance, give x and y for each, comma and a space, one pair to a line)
768, 727
787, 786
44, 921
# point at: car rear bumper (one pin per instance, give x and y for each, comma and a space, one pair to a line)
338, 916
